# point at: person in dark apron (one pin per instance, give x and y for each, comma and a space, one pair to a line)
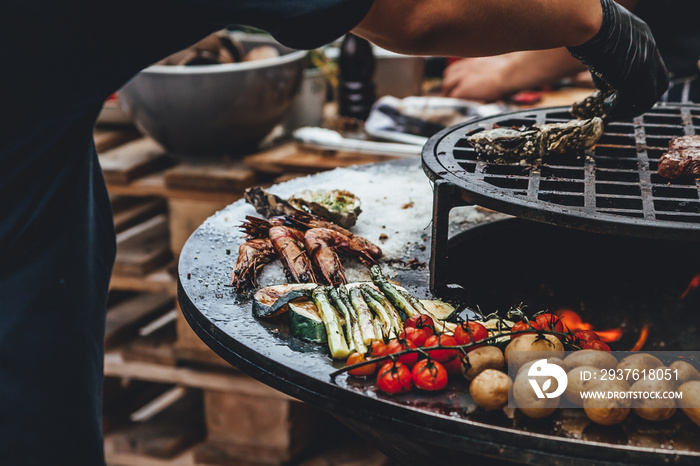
60, 60
675, 30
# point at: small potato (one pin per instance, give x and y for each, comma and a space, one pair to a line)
640, 362
608, 411
261, 52
480, 359
653, 409
490, 389
690, 402
527, 400
581, 379
518, 351
588, 357
683, 372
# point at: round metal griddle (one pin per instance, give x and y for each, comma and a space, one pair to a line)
613, 188
413, 428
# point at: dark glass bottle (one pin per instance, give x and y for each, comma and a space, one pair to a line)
356, 86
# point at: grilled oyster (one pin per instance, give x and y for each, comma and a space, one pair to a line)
508, 144
530, 143
592, 106
338, 206
575, 135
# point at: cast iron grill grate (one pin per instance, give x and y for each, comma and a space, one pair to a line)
613, 188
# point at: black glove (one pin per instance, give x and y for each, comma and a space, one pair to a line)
623, 57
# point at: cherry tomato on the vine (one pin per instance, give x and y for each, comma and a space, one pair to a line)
414, 337
522, 325
595, 345
454, 366
586, 335
429, 375
467, 332
549, 321
377, 349
421, 321
394, 378
442, 355
395, 346
362, 371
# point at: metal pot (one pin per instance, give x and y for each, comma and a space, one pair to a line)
215, 109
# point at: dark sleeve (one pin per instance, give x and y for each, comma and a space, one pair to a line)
319, 22
300, 24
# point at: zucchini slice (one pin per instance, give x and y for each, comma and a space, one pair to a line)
438, 308
305, 322
265, 301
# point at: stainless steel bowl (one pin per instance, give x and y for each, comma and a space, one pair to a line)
215, 109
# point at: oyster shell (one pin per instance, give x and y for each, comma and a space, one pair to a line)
508, 144
575, 135
592, 106
529, 143
338, 206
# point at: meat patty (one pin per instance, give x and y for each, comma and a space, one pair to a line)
682, 158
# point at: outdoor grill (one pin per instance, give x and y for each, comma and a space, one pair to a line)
612, 241
611, 189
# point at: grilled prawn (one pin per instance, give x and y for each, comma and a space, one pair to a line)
322, 244
303, 239
369, 251
280, 210
289, 244
252, 256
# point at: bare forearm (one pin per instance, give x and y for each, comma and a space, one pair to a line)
535, 68
479, 27
493, 78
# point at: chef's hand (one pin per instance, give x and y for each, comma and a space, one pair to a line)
623, 56
478, 78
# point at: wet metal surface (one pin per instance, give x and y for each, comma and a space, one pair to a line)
413, 428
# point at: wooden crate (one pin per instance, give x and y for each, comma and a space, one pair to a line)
143, 248
250, 429
165, 434
126, 317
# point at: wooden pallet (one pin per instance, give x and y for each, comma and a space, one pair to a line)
164, 428
130, 211
125, 318
160, 280
143, 248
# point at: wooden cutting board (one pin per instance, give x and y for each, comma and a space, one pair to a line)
219, 175
291, 158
